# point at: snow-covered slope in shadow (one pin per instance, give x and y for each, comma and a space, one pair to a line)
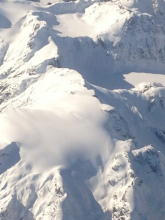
137, 125
78, 141
4, 22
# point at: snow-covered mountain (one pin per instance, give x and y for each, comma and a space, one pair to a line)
82, 110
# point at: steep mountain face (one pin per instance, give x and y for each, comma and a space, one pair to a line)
78, 140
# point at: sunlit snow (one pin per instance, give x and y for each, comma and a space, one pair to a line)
82, 110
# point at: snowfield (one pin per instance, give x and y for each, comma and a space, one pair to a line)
82, 110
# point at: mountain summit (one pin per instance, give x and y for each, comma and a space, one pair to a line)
82, 110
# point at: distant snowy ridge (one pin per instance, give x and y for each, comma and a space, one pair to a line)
77, 140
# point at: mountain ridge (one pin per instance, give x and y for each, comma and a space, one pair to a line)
79, 140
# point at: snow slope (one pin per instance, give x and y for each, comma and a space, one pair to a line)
82, 108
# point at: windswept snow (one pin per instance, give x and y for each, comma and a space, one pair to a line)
82, 110
73, 129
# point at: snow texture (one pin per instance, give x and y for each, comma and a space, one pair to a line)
82, 110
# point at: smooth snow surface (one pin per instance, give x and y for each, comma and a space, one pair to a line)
136, 78
82, 110
72, 25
